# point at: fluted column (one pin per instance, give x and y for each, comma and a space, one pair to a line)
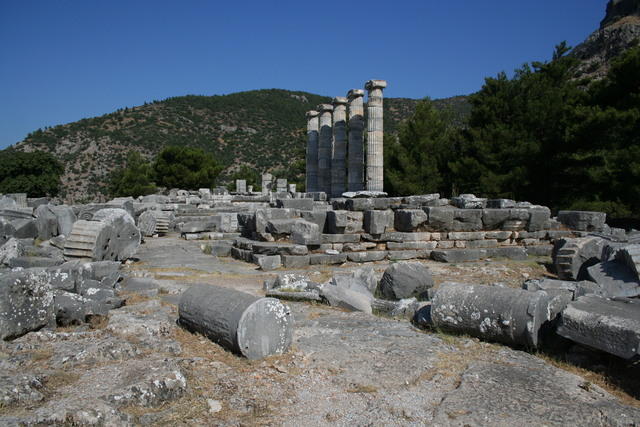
375, 135
339, 154
312, 152
324, 147
355, 176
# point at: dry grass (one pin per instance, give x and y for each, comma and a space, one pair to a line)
60, 378
361, 388
41, 355
132, 298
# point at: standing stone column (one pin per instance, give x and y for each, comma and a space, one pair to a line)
324, 147
355, 175
312, 152
375, 135
339, 155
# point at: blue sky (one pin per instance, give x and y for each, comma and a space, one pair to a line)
63, 60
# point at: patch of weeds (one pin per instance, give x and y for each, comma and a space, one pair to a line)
61, 378
207, 249
42, 354
362, 388
98, 322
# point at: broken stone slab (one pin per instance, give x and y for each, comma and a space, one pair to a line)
410, 220
510, 316
501, 203
458, 255
615, 279
305, 233
406, 280
405, 308
558, 287
89, 239
468, 201
219, 249
346, 298
607, 325
251, 326
292, 282
33, 262
26, 302
540, 250
46, 222
351, 282
74, 309
630, 256
25, 228
359, 204
316, 216
583, 220
65, 217
12, 248
400, 246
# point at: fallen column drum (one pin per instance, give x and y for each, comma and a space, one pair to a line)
252, 326
510, 316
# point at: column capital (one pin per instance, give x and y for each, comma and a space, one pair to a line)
323, 108
354, 93
311, 114
339, 100
375, 84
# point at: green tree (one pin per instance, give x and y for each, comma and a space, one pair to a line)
251, 175
136, 179
604, 143
515, 145
36, 173
417, 161
185, 167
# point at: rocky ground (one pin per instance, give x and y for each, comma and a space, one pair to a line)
345, 368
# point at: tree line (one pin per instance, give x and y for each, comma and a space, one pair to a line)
541, 135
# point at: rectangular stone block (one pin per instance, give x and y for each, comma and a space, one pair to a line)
466, 235
305, 233
295, 261
501, 203
378, 221
499, 235
318, 217
383, 203
445, 244
327, 259
517, 253
358, 247
300, 204
583, 220
345, 222
340, 238
538, 218
487, 243
459, 255
539, 250
410, 220
493, 219
242, 254
360, 204
440, 218
467, 220
399, 246
368, 256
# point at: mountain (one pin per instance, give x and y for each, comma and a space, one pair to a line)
264, 129
619, 30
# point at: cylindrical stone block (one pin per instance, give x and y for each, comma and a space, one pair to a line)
510, 316
312, 151
355, 170
339, 153
245, 324
324, 147
375, 136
